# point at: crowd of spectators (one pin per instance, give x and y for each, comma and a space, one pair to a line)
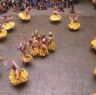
20, 5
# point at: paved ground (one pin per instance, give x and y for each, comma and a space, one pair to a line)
68, 71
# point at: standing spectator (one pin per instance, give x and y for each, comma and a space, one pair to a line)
7, 3
20, 4
48, 3
66, 2
30, 3
34, 3
71, 4
61, 7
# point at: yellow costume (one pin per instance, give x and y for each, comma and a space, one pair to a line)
43, 52
94, 72
52, 46
55, 17
74, 25
34, 51
94, 94
23, 77
24, 17
3, 34
93, 43
8, 25
26, 58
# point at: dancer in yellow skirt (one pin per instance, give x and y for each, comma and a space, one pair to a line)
33, 44
25, 16
55, 17
26, 58
8, 25
94, 94
94, 72
43, 48
3, 33
93, 43
51, 43
34, 49
74, 24
18, 76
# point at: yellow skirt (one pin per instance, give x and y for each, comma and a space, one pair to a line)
74, 26
9, 25
22, 78
22, 17
94, 72
93, 42
94, 94
43, 52
26, 59
52, 46
55, 17
3, 34
34, 51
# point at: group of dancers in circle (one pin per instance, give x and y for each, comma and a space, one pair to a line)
74, 23
26, 16
6, 26
56, 17
38, 45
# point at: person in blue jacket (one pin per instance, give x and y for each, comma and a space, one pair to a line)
34, 3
